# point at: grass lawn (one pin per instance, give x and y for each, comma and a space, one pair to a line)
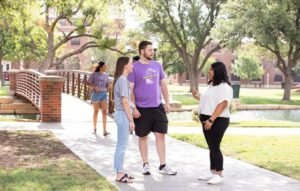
185, 99
241, 124
267, 96
4, 91
31, 160
247, 96
277, 153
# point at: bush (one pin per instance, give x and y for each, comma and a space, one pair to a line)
195, 115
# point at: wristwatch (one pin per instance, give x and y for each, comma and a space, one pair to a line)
211, 121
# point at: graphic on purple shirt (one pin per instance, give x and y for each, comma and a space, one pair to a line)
99, 80
146, 79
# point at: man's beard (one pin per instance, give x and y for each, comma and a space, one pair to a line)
148, 57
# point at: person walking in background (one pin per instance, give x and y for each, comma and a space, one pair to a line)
214, 116
98, 81
135, 59
122, 116
147, 81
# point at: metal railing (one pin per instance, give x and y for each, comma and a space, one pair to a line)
76, 82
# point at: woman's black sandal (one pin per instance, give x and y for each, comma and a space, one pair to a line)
128, 176
124, 179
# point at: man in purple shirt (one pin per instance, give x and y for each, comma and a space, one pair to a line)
147, 82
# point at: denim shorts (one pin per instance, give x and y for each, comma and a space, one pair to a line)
99, 96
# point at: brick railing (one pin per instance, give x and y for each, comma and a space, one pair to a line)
44, 92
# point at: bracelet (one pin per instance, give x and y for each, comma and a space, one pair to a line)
130, 121
211, 121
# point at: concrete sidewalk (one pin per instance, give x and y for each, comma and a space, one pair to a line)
190, 161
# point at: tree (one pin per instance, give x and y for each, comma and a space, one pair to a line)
273, 25
187, 26
81, 15
247, 67
11, 37
5, 35
171, 61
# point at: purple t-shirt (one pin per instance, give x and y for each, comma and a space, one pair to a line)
99, 80
146, 79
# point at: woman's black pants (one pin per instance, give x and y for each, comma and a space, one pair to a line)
213, 138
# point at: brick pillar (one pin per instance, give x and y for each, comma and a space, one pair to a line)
12, 82
50, 100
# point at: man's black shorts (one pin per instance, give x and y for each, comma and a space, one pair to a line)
153, 119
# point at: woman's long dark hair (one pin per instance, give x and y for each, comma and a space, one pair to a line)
121, 63
220, 74
100, 65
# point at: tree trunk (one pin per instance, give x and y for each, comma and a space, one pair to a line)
26, 64
193, 79
179, 78
1, 68
50, 54
287, 86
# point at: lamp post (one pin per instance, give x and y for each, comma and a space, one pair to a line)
92, 59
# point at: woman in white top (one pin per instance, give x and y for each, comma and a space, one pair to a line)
214, 116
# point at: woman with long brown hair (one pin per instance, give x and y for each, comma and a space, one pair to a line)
122, 116
98, 81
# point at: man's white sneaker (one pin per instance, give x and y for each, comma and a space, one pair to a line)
168, 171
216, 179
146, 169
205, 176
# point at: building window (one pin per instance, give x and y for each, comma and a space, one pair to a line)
278, 78
7, 67
75, 41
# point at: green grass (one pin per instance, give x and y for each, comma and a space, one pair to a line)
267, 96
185, 99
38, 161
242, 124
247, 96
277, 153
4, 91
68, 175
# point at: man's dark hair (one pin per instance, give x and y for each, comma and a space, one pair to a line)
143, 45
135, 58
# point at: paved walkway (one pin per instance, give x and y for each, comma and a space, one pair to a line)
97, 151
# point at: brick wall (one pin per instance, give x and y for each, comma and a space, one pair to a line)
12, 82
51, 89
